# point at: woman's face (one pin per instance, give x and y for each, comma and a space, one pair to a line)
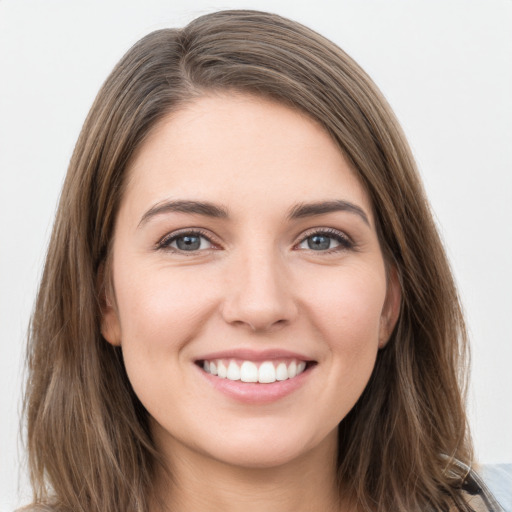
251, 295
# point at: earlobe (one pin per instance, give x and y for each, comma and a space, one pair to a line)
391, 309
110, 326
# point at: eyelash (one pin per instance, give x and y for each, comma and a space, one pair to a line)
345, 243
166, 241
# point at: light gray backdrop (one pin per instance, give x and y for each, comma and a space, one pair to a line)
444, 65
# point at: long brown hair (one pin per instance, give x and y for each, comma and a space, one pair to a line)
88, 440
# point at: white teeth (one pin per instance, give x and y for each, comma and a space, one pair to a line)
281, 372
233, 371
267, 373
222, 371
248, 372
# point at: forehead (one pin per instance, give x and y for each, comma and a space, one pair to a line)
241, 151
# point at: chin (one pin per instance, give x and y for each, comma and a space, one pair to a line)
256, 456
271, 449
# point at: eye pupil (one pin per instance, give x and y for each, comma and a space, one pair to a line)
188, 242
319, 242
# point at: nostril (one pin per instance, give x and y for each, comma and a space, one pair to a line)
262, 306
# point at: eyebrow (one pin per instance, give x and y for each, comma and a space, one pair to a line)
322, 207
211, 210
197, 207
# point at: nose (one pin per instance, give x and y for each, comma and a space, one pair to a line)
259, 293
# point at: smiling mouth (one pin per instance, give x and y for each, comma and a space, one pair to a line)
264, 372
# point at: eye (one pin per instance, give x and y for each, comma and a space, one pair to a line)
326, 240
186, 241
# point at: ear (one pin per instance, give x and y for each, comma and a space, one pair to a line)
391, 309
110, 325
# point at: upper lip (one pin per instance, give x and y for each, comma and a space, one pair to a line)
254, 355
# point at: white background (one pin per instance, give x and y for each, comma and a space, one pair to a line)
444, 65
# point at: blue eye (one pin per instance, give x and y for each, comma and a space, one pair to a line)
190, 241
325, 241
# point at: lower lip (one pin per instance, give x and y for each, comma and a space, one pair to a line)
256, 393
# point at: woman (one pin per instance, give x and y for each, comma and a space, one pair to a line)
245, 303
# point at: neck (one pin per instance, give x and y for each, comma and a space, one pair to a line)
198, 484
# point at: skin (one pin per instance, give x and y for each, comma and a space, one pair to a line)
253, 283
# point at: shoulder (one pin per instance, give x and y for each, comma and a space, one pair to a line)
493, 495
37, 508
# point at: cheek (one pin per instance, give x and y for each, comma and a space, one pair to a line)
346, 309
161, 311
159, 308
350, 298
